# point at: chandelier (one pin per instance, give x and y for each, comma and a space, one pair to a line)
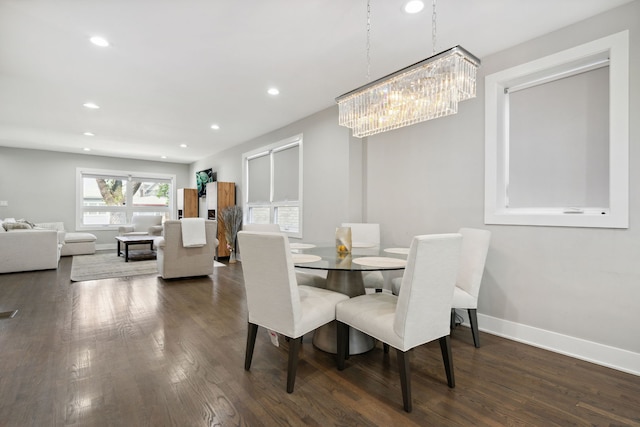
423, 91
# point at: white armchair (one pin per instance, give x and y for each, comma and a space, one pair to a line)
174, 260
142, 225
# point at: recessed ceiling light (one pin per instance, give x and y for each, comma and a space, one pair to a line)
215, 126
413, 6
183, 145
273, 91
91, 105
163, 157
86, 149
89, 134
99, 41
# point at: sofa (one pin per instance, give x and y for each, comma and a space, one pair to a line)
28, 249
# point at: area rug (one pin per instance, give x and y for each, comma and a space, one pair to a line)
108, 266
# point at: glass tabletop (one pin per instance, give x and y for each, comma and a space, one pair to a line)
325, 257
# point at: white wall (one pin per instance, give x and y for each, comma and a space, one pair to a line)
576, 290
40, 186
331, 190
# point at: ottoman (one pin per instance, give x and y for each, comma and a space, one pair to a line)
78, 244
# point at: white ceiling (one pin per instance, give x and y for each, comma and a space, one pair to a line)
175, 67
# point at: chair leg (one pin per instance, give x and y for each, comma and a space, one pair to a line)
343, 344
294, 349
473, 320
251, 343
447, 358
385, 347
405, 378
452, 322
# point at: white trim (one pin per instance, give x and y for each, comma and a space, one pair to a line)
616, 215
600, 354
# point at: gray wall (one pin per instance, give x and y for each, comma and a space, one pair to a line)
40, 186
332, 179
578, 282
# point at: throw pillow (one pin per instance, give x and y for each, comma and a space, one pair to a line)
22, 220
16, 226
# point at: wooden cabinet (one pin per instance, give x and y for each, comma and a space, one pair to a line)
187, 202
219, 196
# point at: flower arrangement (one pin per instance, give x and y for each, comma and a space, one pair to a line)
231, 218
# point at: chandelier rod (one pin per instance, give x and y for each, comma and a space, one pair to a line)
368, 40
433, 27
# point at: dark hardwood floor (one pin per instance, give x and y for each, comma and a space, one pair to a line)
142, 351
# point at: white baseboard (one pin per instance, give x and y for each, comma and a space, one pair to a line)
106, 246
600, 354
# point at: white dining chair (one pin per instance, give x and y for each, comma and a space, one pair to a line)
272, 228
275, 301
367, 235
473, 255
475, 246
302, 277
418, 315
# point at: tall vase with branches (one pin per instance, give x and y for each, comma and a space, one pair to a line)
231, 218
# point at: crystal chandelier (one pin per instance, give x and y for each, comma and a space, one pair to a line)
423, 91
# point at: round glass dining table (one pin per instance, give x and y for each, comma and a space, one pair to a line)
344, 275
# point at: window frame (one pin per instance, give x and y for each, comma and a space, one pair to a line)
129, 208
272, 204
554, 67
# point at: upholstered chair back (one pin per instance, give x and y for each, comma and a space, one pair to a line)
144, 222
272, 228
364, 234
424, 304
475, 245
273, 299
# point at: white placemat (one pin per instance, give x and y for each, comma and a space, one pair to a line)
403, 251
374, 261
301, 258
362, 245
301, 245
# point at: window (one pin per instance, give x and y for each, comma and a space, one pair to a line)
108, 199
273, 185
557, 141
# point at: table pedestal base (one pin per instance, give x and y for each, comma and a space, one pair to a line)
348, 283
324, 338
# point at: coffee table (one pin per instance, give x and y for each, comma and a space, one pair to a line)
136, 240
